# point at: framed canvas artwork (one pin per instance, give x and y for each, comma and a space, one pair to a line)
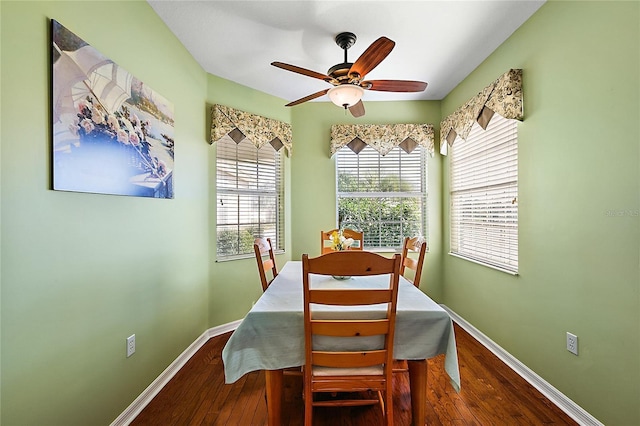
112, 133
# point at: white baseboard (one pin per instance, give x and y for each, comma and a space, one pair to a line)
156, 386
572, 409
563, 402
224, 328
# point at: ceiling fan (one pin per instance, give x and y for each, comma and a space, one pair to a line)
348, 78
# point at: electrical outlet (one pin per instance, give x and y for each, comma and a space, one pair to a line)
572, 343
131, 345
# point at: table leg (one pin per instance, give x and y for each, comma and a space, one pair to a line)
418, 384
273, 379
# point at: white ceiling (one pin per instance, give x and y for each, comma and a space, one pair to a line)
439, 42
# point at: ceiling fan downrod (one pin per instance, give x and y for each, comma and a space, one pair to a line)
345, 40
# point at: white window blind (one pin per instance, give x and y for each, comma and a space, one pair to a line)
383, 196
484, 195
249, 186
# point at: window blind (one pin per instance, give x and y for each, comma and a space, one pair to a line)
383, 196
484, 195
249, 197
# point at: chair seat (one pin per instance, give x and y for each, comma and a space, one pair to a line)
351, 371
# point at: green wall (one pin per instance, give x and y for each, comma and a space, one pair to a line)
579, 189
81, 272
313, 183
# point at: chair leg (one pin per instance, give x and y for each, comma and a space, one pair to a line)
308, 413
308, 405
389, 408
381, 401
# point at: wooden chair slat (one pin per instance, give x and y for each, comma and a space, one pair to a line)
351, 328
325, 237
341, 263
346, 297
411, 263
349, 384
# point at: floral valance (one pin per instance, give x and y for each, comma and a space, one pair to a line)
258, 129
381, 137
503, 96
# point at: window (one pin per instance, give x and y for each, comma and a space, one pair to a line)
383, 196
249, 186
484, 195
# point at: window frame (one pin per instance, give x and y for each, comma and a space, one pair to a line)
277, 192
422, 196
490, 207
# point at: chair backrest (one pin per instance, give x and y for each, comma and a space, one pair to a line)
262, 247
349, 368
325, 240
415, 244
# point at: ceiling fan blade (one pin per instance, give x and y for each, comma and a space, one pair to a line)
395, 85
357, 110
308, 98
302, 71
371, 57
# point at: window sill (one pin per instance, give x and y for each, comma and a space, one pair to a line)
392, 250
244, 256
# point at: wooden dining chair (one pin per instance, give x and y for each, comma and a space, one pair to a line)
419, 245
350, 368
266, 261
263, 248
415, 244
325, 238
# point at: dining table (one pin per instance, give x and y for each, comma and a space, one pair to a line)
271, 335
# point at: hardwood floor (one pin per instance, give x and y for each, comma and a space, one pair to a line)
491, 394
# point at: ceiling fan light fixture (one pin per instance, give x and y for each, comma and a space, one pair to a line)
345, 95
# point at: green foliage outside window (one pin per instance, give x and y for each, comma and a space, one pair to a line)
385, 220
236, 241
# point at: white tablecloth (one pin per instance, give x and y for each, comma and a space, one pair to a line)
271, 336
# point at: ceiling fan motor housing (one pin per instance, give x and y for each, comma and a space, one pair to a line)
340, 71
